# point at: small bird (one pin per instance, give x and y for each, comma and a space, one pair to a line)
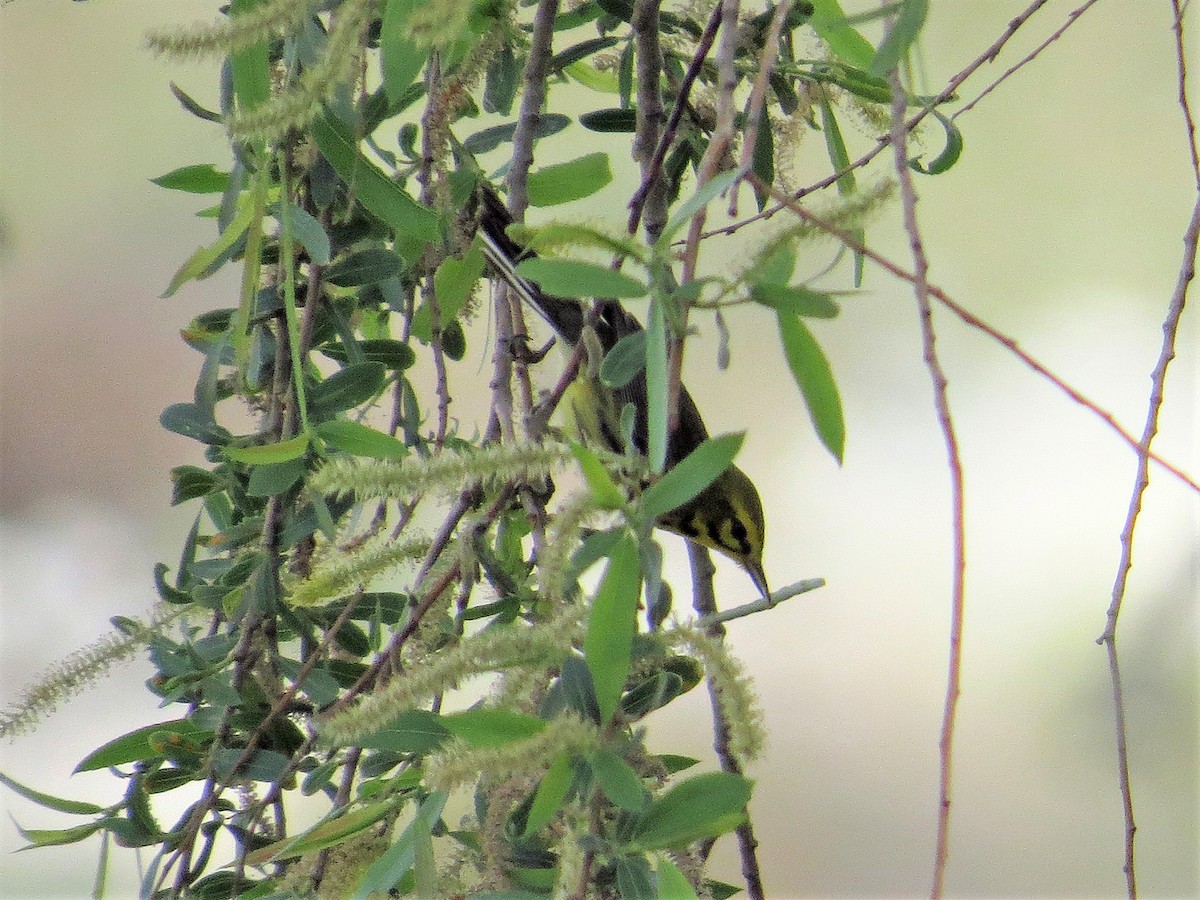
726, 516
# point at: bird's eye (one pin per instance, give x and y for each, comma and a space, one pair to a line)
738, 530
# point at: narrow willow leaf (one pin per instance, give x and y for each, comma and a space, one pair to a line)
829, 22
264, 454
570, 278
950, 153
388, 352
657, 412
146, 743
763, 161
608, 121
49, 801
624, 361
370, 265
251, 65
605, 492
329, 833
598, 80
201, 263
263, 765
412, 731
607, 647
900, 37
700, 807
193, 421
275, 478
503, 76
672, 883
381, 196
359, 440
491, 138
488, 727
198, 179
795, 299
694, 204
347, 388
551, 793
402, 59
579, 51
454, 279
619, 782
814, 377
310, 233
41, 837
634, 881
395, 862
569, 181
691, 475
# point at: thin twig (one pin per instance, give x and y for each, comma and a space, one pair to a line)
1030, 57
762, 604
908, 201
1170, 330
650, 117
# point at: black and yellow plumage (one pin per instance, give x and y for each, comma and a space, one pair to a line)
726, 516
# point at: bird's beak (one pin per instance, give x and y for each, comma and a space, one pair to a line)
759, 577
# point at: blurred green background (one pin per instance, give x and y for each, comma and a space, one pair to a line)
1061, 225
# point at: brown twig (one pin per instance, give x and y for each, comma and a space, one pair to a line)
1030, 57
941, 401
1170, 330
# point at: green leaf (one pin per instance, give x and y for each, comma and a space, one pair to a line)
394, 355
40, 837
49, 801
351, 437
847, 184
147, 743
491, 138
263, 765
201, 263
624, 361
402, 59
703, 806
503, 77
797, 300
569, 181
310, 233
251, 65
395, 862
607, 647
619, 782
829, 22
674, 763
190, 482
900, 37
264, 454
814, 377
657, 413
950, 153
579, 51
492, 727
608, 121
367, 266
550, 796
413, 731
634, 881
382, 197
691, 475
763, 161
693, 204
347, 388
198, 179
604, 490
570, 278
672, 883
275, 478
325, 834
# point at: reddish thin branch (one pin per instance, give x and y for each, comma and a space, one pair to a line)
1170, 329
941, 401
